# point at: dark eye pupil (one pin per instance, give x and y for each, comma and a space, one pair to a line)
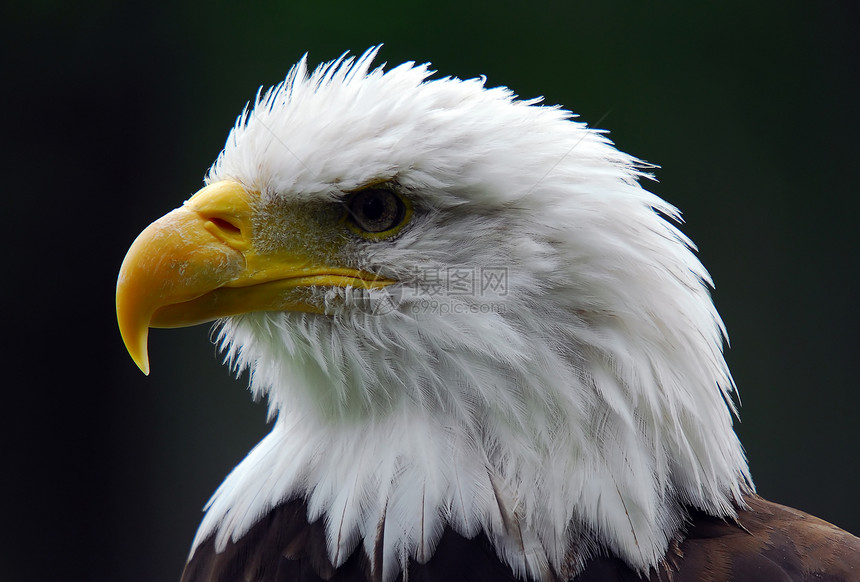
375, 209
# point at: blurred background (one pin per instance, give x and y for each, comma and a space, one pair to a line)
113, 111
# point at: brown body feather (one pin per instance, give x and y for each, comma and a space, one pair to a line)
767, 543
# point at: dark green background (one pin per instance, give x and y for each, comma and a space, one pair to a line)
113, 111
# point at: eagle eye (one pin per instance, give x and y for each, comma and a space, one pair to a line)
376, 211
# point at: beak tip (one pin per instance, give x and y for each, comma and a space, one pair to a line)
135, 339
139, 352
143, 364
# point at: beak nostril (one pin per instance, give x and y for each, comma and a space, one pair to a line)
225, 225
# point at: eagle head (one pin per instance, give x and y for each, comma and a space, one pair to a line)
465, 312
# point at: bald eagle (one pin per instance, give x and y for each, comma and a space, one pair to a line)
488, 352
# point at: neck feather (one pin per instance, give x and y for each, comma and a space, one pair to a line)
590, 442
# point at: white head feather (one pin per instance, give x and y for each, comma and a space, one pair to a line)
578, 399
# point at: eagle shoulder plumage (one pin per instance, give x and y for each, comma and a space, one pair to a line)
488, 352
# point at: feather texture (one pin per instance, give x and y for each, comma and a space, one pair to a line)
765, 543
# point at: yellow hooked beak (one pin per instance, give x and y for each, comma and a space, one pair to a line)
197, 263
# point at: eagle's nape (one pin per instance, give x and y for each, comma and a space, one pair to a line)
488, 352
